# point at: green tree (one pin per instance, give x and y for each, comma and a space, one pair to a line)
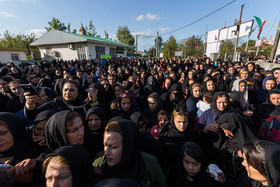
169, 47
124, 36
91, 30
16, 41
192, 46
69, 27
226, 47
251, 44
152, 52
56, 25
74, 31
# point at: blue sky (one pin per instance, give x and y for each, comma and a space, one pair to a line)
144, 17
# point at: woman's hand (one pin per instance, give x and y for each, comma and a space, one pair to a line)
248, 113
40, 139
31, 100
97, 170
212, 128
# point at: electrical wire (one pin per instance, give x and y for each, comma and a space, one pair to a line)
273, 24
199, 19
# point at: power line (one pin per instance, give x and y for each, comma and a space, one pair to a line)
148, 43
273, 24
199, 19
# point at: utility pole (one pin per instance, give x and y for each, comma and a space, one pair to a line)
237, 33
136, 43
276, 41
157, 45
204, 49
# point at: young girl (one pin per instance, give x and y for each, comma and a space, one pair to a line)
191, 171
163, 120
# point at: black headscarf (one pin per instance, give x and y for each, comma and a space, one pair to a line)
100, 113
55, 130
131, 163
42, 116
79, 162
21, 140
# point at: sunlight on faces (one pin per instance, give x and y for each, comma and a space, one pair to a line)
70, 92
196, 92
222, 103
252, 172
16, 88
6, 137
125, 104
58, 175
113, 147
210, 86
191, 166
181, 122
242, 86
269, 85
275, 99
94, 122
75, 134
152, 103
163, 121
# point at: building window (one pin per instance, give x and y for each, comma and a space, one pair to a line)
81, 52
48, 52
113, 52
99, 51
15, 57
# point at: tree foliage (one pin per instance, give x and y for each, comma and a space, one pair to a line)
192, 46
124, 36
151, 52
169, 47
16, 41
226, 47
91, 30
56, 25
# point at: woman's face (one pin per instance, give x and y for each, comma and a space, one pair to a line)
242, 86
125, 104
269, 85
244, 75
94, 122
163, 121
152, 103
70, 92
196, 92
3, 86
105, 85
89, 79
58, 175
191, 74
256, 77
210, 86
250, 67
39, 129
113, 148
16, 89
221, 103
118, 91
6, 138
275, 99
181, 122
192, 167
34, 78
76, 132
167, 83
252, 172
231, 70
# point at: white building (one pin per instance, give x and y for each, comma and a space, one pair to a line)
15, 54
67, 46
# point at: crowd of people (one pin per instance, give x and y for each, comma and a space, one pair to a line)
134, 122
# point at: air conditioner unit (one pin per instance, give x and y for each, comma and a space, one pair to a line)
70, 46
54, 53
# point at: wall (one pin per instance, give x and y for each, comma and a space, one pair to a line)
65, 52
5, 56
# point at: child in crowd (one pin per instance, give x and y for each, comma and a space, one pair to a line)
163, 120
205, 104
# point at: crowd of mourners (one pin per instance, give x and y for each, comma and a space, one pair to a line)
133, 122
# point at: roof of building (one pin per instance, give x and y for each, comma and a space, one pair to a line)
61, 37
15, 49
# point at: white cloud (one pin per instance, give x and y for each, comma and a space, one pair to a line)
152, 16
6, 14
148, 16
163, 29
113, 36
146, 33
37, 32
140, 17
